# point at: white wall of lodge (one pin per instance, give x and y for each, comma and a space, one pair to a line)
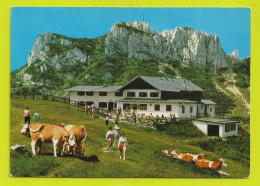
103, 102
190, 110
210, 110
96, 99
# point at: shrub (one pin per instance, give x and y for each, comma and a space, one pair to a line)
181, 129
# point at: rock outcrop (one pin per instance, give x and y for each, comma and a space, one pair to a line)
137, 40
55, 50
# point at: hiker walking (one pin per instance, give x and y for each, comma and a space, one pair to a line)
86, 109
122, 145
107, 121
110, 137
92, 111
27, 116
36, 116
117, 130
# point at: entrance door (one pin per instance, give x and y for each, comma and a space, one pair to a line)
213, 130
110, 106
206, 110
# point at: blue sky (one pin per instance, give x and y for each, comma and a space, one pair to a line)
232, 25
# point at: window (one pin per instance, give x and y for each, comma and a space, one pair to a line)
233, 126
154, 94
130, 94
183, 109
201, 107
89, 103
89, 93
102, 104
227, 128
81, 93
191, 109
142, 94
102, 93
118, 93
143, 106
157, 107
210, 109
115, 105
168, 108
126, 106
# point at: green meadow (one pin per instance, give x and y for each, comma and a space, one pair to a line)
144, 158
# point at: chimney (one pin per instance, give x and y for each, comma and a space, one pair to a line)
184, 84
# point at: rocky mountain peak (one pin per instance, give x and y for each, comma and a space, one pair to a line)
137, 40
235, 54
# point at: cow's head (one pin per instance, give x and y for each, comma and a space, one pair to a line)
223, 163
167, 152
175, 152
25, 130
72, 141
200, 156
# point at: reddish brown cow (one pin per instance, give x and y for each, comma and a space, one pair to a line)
186, 157
77, 138
48, 133
214, 165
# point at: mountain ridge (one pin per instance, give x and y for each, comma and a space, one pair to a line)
57, 62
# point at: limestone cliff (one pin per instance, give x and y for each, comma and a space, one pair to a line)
137, 40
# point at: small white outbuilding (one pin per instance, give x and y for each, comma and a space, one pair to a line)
216, 126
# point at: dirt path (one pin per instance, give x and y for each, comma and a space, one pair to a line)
239, 95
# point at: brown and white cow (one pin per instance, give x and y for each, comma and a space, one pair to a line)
78, 135
186, 156
49, 133
214, 165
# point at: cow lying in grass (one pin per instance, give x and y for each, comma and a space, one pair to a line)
185, 157
213, 165
199, 160
48, 133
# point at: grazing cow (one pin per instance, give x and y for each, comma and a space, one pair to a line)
214, 165
77, 137
49, 133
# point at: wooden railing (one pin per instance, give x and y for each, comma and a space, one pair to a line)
45, 97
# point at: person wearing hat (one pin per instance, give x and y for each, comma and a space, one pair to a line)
122, 145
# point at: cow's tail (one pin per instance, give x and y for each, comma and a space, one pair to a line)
37, 130
85, 135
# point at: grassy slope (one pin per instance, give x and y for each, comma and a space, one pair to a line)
144, 157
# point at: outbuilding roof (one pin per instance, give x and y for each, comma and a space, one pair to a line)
207, 102
94, 88
168, 84
215, 120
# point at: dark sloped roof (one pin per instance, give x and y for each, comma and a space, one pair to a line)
169, 84
160, 83
94, 88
